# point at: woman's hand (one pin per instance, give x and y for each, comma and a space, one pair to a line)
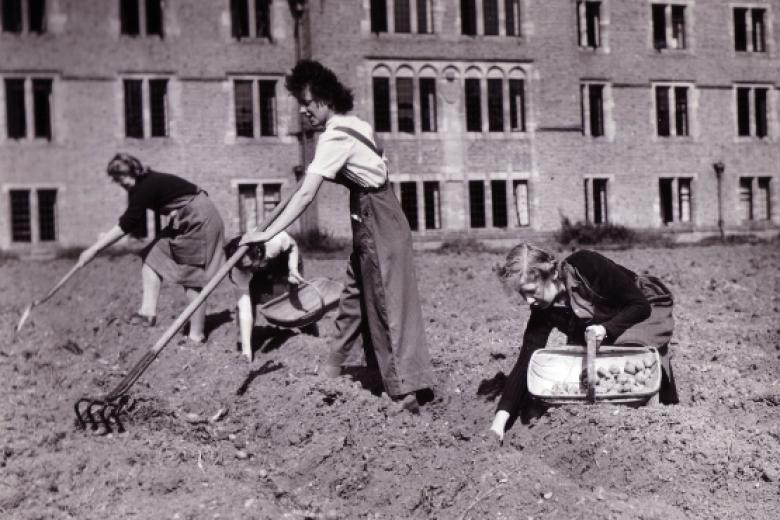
295, 277
85, 257
254, 236
595, 332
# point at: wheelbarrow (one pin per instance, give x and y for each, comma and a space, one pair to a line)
572, 374
302, 305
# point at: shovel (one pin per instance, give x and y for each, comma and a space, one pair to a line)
29, 308
104, 411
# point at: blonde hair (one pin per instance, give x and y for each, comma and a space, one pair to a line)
526, 263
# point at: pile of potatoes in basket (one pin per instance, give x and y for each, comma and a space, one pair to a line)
636, 375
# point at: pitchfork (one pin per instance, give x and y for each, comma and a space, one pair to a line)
106, 410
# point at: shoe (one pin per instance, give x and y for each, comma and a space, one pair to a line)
141, 319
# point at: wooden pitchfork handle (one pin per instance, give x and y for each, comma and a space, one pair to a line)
30, 307
591, 378
188, 311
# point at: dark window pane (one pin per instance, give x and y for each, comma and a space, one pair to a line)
600, 201
659, 26
272, 196
12, 16
498, 196
405, 97
596, 100
42, 107
666, 195
37, 16
662, 110
759, 31
21, 228
746, 197
267, 107
47, 225
740, 29
512, 18
473, 106
409, 203
381, 88
761, 112
378, 16
154, 17
247, 206
678, 26
16, 121
743, 111
428, 117
424, 22
517, 105
134, 122
684, 196
468, 17
592, 21
495, 93
432, 198
477, 203
128, 17
158, 105
490, 13
263, 18
403, 17
239, 17
243, 99
681, 110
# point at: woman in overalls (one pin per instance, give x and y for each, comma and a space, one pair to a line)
585, 295
188, 252
380, 302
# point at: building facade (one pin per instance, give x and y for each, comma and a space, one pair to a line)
499, 117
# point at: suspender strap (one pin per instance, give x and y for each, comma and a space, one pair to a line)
360, 137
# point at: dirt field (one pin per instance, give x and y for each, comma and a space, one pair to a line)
295, 445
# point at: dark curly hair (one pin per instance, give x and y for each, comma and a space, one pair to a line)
254, 258
323, 85
126, 164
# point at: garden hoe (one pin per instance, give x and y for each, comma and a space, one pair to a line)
29, 308
105, 411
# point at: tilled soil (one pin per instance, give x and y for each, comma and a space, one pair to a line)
211, 436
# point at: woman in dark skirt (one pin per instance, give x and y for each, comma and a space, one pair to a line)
380, 302
188, 252
585, 295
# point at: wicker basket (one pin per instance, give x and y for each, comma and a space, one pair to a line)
302, 306
557, 375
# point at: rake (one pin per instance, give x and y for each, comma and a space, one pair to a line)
105, 411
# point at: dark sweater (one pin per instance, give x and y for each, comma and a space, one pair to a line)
152, 191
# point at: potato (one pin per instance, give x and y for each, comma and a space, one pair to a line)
630, 367
641, 377
625, 388
637, 389
602, 371
649, 361
615, 369
624, 378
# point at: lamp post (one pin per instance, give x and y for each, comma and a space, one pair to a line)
719, 168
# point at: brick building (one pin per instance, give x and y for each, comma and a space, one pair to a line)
498, 116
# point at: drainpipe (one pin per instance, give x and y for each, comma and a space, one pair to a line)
719, 168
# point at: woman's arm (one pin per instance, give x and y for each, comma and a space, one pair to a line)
297, 205
108, 238
292, 263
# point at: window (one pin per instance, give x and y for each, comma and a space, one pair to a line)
378, 16
671, 105
477, 204
252, 209
131, 12
250, 19
592, 99
755, 198
490, 16
14, 20
33, 215
498, 199
405, 104
512, 17
272, 196
425, 16
18, 113
141, 95
675, 197
473, 105
432, 201
516, 105
522, 205
752, 111
596, 201
668, 26
255, 107
468, 17
409, 203
495, 98
589, 23
428, 117
381, 90
749, 29
403, 17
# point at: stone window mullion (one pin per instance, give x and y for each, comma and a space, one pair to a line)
391, 16
34, 212
421, 210
256, 117
142, 28
480, 17
749, 30
668, 24
672, 104
583, 24
483, 105
29, 111
393, 104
